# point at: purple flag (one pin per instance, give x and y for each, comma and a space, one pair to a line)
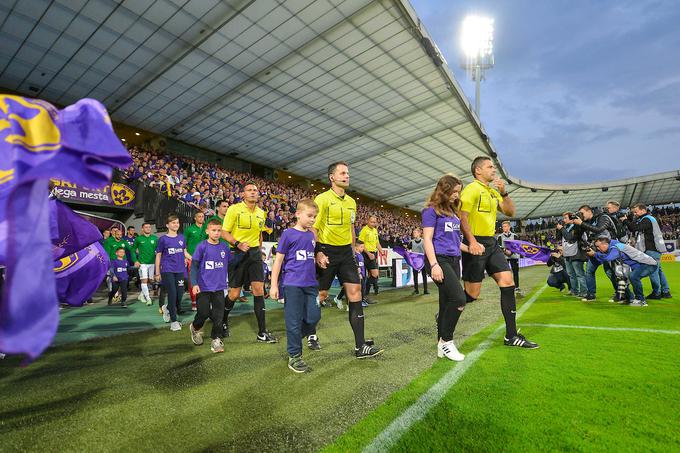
528, 250
415, 260
70, 233
80, 274
39, 142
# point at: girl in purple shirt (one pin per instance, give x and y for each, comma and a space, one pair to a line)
442, 243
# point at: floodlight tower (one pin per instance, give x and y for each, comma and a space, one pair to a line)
477, 43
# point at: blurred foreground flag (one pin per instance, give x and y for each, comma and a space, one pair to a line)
39, 142
528, 250
415, 260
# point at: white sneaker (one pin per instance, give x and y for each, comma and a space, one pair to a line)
148, 301
449, 351
638, 303
175, 326
141, 297
217, 346
196, 335
166, 313
338, 302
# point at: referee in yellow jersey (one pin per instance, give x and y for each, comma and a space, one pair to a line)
242, 228
479, 205
369, 236
334, 230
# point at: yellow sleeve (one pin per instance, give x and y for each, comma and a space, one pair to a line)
229, 219
321, 216
469, 198
362, 234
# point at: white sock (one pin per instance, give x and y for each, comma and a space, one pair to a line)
145, 290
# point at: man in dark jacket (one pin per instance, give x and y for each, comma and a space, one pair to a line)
558, 274
649, 239
596, 226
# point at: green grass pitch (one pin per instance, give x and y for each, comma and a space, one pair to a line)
589, 390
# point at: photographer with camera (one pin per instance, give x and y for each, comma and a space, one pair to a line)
558, 274
614, 213
641, 265
574, 256
595, 226
649, 239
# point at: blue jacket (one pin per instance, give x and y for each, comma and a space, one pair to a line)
629, 255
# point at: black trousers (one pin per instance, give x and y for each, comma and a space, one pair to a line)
122, 285
451, 296
415, 279
210, 304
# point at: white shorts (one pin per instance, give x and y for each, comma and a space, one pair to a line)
146, 271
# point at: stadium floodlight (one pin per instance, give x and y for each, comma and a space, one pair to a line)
477, 44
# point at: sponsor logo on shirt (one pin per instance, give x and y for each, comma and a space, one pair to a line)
174, 250
120, 269
211, 265
450, 227
302, 255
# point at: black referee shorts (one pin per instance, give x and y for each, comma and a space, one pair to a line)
370, 264
245, 267
342, 263
492, 261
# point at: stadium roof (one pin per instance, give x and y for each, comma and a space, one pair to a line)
291, 85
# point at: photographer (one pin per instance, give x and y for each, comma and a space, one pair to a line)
558, 275
595, 226
614, 213
641, 265
649, 239
574, 256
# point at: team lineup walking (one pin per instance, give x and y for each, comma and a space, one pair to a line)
458, 242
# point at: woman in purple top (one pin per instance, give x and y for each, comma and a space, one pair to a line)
441, 237
171, 259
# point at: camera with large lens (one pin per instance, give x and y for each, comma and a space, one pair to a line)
621, 274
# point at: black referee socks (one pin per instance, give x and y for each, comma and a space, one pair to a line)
258, 306
228, 305
508, 307
469, 298
356, 320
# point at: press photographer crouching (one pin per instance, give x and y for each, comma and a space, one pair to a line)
574, 255
649, 239
641, 265
558, 277
595, 226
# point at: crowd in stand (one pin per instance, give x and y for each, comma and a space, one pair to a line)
201, 185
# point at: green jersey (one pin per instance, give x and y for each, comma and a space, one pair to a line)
194, 235
114, 245
205, 225
145, 246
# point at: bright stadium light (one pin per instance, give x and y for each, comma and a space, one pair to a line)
477, 45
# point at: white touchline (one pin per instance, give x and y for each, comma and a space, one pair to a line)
390, 435
615, 329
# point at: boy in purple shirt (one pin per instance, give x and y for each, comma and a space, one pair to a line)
361, 265
209, 280
118, 270
171, 259
295, 255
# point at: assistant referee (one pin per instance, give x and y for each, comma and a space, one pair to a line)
335, 238
242, 229
479, 205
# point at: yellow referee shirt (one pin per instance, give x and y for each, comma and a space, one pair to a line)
336, 217
481, 203
369, 236
245, 225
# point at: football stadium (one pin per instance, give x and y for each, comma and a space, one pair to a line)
290, 226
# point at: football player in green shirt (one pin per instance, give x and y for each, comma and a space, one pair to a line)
194, 235
145, 249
